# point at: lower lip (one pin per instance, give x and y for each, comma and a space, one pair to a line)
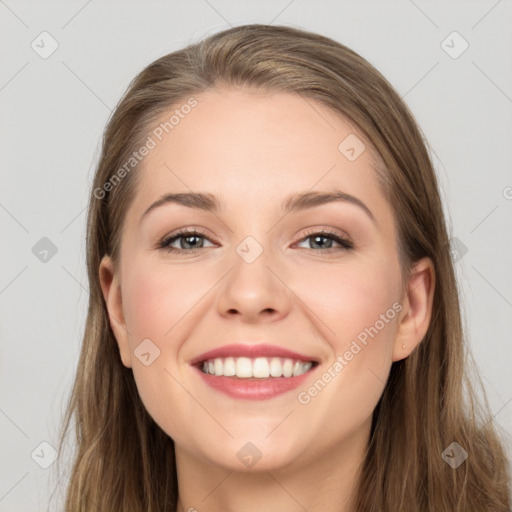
254, 389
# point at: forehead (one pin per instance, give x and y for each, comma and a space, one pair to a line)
246, 146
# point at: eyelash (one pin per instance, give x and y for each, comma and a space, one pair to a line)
164, 244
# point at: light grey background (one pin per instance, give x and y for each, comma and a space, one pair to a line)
52, 117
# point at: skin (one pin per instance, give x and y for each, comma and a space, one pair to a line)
253, 150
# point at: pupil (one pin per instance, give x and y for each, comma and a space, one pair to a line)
317, 238
191, 237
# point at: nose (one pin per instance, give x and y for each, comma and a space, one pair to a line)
254, 292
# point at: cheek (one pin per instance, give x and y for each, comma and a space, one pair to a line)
358, 309
353, 303
146, 314
157, 297
156, 300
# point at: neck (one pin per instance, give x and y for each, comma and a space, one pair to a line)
325, 483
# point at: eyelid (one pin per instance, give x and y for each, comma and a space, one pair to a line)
341, 238
182, 232
326, 231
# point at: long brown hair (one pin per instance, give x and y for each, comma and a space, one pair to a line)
123, 460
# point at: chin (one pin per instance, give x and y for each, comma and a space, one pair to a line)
254, 454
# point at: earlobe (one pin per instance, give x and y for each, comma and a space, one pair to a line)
111, 289
417, 309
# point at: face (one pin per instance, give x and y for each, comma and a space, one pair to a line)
320, 280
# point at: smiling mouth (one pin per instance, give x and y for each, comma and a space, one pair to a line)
255, 368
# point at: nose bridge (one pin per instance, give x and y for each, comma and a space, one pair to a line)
252, 265
250, 249
251, 286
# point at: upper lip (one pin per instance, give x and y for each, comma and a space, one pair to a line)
251, 351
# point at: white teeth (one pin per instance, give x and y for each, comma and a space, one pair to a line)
259, 367
229, 367
218, 367
288, 368
276, 368
243, 367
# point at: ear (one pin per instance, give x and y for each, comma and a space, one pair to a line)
417, 309
111, 288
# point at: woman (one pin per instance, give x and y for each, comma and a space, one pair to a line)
273, 321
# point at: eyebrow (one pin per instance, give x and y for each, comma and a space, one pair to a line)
296, 202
